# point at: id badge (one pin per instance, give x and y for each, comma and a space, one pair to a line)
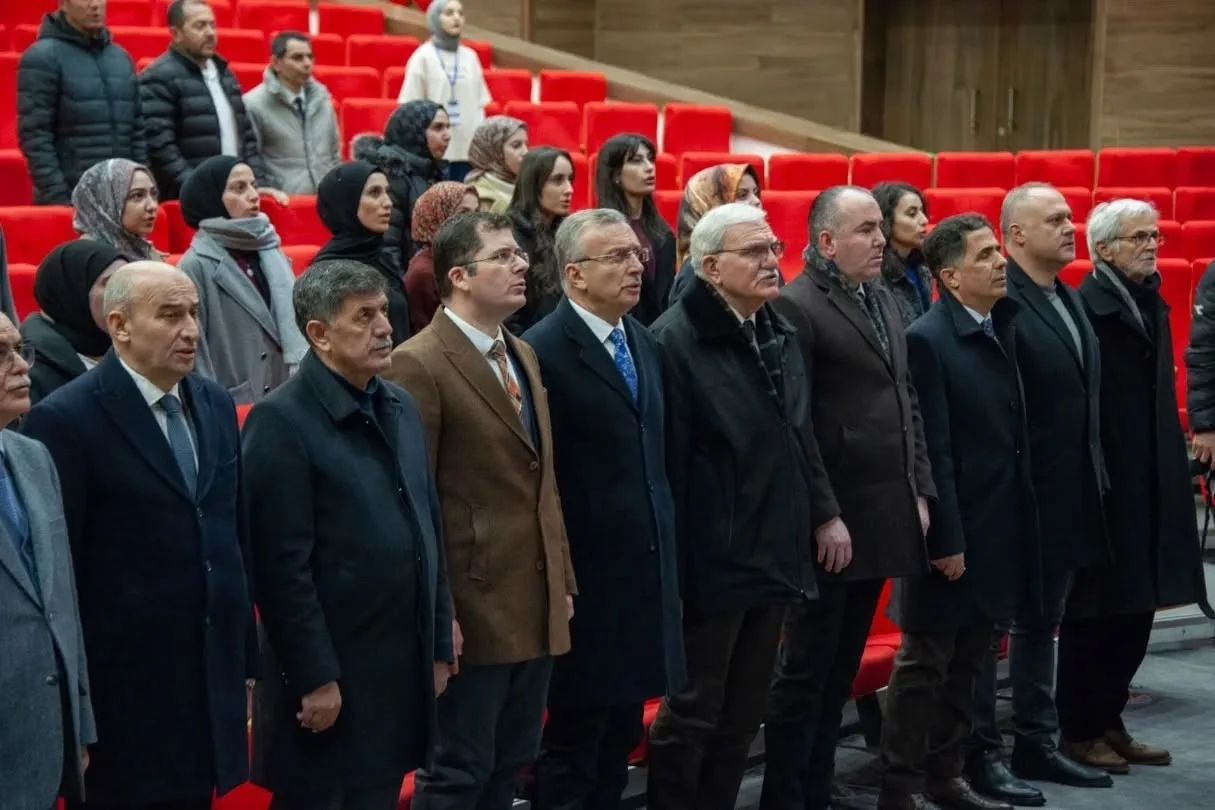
453, 112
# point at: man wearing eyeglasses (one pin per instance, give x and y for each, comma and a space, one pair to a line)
603, 374
48, 715
870, 508
741, 461
486, 419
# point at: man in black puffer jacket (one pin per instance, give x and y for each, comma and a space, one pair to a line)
77, 101
192, 103
1200, 369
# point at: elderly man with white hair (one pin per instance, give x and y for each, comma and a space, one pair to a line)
1149, 506
740, 459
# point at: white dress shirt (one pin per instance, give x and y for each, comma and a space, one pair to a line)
229, 140
601, 329
483, 343
974, 313
152, 394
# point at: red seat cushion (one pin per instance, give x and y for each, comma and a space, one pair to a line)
877, 663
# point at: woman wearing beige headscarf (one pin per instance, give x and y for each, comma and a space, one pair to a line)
496, 150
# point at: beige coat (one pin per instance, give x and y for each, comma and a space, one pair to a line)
428, 75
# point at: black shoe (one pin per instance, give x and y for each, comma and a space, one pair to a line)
989, 776
1048, 765
889, 800
956, 794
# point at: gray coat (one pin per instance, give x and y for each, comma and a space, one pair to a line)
297, 153
39, 627
240, 345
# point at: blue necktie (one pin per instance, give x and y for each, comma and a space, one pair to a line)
17, 523
989, 328
179, 440
624, 360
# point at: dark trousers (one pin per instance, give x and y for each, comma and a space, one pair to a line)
1098, 657
823, 642
383, 798
701, 737
1031, 662
489, 727
930, 704
184, 804
584, 757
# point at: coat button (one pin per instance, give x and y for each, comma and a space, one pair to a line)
200, 513
265, 389
207, 566
264, 355
539, 565
533, 465
51, 616
52, 680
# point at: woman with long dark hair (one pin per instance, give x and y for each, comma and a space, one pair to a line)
905, 224
624, 182
543, 193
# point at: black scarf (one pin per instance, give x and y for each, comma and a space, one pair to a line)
337, 204
61, 288
202, 194
865, 295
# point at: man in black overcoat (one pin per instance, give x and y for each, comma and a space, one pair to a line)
350, 572
1150, 504
603, 374
1060, 374
982, 540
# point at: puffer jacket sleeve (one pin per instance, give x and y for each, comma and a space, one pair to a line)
39, 84
158, 103
1200, 357
139, 138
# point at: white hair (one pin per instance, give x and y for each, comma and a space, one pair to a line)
123, 286
710, 232
573, 229
1105, 220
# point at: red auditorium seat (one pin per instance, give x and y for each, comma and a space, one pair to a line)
344, 20
349, 82
248, 74
380, 52
582, 182
806, 172
607, 118
1137, 167
22, 36
692, 162
224, 15
271, 15
180, 234
1059, 167
297, 223
1196, 166
877, 664
1075, 271
1080, 200
3, 38
668, 206
555, 124
975, 170
507, 85
301, 255
484, 51
242, 413
883, 630
1160, 197
21, 280
142, 41
641, 752
1174, 246
1082, 242
876, 167
394, 77
330, 50
31, 231
696, 128
360, 115
1193, 203
8, 100
29, 11
237, 45
579, 86
1199, 238
945, 202
789, 216
162, 232
129, 12
493, 108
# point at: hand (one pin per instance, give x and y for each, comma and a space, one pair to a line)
84, 759
921, 504
834, 545
319, 709
457, 646
1203, 447
249, 684
569, 607
953, 566
273, 193
443, 673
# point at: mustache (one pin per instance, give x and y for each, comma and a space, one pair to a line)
386, 343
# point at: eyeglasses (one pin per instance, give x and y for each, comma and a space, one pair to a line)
501, 257
25, 350
1141, 238
618, 257
757, 252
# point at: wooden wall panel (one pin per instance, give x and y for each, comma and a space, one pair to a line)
503, 16
565, 25
1156, 83
801, 57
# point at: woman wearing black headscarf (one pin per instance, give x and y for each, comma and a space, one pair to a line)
68, 332
354, 203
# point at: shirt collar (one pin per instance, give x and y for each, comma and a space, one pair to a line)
975, 314
601, 329
151, 393
480, 341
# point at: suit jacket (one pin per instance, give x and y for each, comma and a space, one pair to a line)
165, 596
42, 642
866, 418
351, 581
1062, 404
504, 535
627, 636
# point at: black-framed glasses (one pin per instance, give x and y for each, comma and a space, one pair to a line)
618, 257
24, 350
1141, 238
500, 257
756, 252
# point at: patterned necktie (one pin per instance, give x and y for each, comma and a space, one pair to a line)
497, 353
179, 440
989, 328
624, 360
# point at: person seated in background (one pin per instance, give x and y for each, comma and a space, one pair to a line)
248, 340
293, 117
68, 331
706, 190
192, 104
353, 202
495, 152
77, 100
905, 224
441, 202
542, 198
116, 203
624, 182
449, 74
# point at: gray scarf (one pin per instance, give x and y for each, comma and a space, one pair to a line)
1105, 270
256, 235
442, 40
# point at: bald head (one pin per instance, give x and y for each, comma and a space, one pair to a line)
152, 317
1036, 222
139, 278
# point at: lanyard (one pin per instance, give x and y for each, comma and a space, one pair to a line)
454, 75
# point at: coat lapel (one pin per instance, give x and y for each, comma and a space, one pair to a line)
1105, 302
1036, 300
205, 431
10, 557
649, 376
592, 353
231, 279
847, 306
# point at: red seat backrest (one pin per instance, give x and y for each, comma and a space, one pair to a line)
789, 215
236, 45
582, 182
1080, 200
21, 277
1059, 167
359, 116
380, 52
222, 9
15, 185
247, 74
130, 12
483, 50
869, 169
271, 15
1199, 239
806, 172
300, 256
338, 18
554, 124
141, 41
22, 36
1193, 203
579, 86
31, 231
8, 100
297, 223
180, 234
946, 202
668, 206
507, 85
1075, 271
327, 49
1137, 167
975, 170
604, 119
349, 82
692, 162
696, 128
1196, 166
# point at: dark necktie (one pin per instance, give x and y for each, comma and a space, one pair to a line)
624, 360
179, 440
989, 328
748, 328
299, 109
17, 522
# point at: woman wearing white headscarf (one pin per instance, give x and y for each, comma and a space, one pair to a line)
449, 74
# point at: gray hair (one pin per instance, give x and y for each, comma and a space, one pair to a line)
710, 232
123, 286
1014, 199
825, 210
325, 286
1105, 220
569, 233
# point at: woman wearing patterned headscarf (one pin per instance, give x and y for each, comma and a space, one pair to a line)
439, 204
449, 74
706, 190
116, 203
497, 149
